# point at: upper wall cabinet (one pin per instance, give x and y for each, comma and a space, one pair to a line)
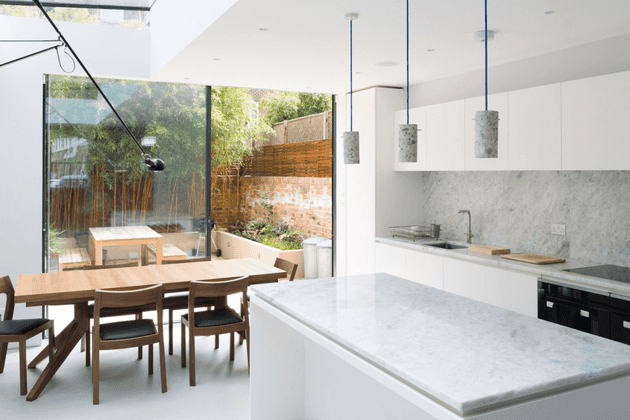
445, 137
498, 102
416, 116
596, 123
535, 129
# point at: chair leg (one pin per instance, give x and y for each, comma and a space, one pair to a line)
95, 375
232, 346
150, 359
51, 342
162, 363
3, 355
83, 343
23, 387
87, 348
139, 316
216, 341
191, 352
170, 332
183, 343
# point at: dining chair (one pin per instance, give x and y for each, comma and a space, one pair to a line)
20, 330
289, 267
179, 300
127, 334
85, 341
220, 320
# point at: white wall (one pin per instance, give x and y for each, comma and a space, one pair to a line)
106, 51
593, 59
340, 233
176, 23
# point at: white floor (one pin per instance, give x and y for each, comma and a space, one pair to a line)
127, 392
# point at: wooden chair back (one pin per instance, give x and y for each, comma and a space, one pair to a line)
106, 267
192, 260
214, 289
288, 266
128, 298
6, 287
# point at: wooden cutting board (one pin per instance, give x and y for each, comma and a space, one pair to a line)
488, 249
533, 258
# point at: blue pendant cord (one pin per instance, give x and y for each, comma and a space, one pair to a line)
486, 39
350, 74
407, 62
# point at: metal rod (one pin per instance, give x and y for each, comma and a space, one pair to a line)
29, 40
39, 4
31, 55
486, 40
407, 62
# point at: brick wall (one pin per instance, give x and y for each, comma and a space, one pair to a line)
313, 127
302, 203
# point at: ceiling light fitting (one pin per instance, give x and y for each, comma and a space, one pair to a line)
351, 138
387, 63
408, 133
153, 165
486, 122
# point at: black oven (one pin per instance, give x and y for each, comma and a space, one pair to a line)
585, 311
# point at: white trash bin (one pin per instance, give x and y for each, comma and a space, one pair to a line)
310, 256
324, 259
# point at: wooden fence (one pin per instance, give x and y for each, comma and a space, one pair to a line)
305, 159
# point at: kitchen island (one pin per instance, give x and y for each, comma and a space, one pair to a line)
380, 347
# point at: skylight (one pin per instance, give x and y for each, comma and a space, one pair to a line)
139, 5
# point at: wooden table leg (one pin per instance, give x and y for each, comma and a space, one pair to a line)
77, 328
60, 341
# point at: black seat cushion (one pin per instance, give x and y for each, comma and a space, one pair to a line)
127, 329
215, 318
20, 326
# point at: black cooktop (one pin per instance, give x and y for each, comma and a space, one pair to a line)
610, 272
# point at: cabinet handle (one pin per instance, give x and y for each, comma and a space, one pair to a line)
549, 304
626, 324
585, 314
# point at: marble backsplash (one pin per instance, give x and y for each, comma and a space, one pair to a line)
516, 210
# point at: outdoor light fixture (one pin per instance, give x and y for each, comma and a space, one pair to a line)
486, 122
351, 138
408, 133
153, 165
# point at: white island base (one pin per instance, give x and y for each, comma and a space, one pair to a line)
299, 373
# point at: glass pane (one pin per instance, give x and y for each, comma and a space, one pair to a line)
144, 4
137, 19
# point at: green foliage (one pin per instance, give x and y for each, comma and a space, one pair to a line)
67, 14
283, 106
265, 204
265, 233
55, 241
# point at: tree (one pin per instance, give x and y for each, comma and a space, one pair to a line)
283, 106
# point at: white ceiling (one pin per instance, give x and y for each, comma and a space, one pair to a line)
306, 47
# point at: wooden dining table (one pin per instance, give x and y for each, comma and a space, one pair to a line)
77, 288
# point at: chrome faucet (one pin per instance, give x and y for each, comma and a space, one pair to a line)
469, 234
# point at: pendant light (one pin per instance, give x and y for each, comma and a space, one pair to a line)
408, 133
351, 138
486, 122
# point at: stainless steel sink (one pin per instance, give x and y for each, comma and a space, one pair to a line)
446, 245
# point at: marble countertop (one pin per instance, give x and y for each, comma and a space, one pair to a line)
552, 272
467, 355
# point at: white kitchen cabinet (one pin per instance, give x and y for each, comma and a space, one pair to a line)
464, 279
596, 123
535, 128
497, 102
511, 290
427, 269
446, 136
416, 116
391, 260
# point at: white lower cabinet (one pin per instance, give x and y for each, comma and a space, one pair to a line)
464, 279
427, 269
391, 260
517, 292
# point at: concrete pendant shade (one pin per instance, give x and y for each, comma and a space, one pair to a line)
408, 143
351, 147
487, 134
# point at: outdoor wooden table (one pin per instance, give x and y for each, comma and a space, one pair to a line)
125, 235
77, 287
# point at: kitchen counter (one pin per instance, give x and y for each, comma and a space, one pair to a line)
552, 272
468, 356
